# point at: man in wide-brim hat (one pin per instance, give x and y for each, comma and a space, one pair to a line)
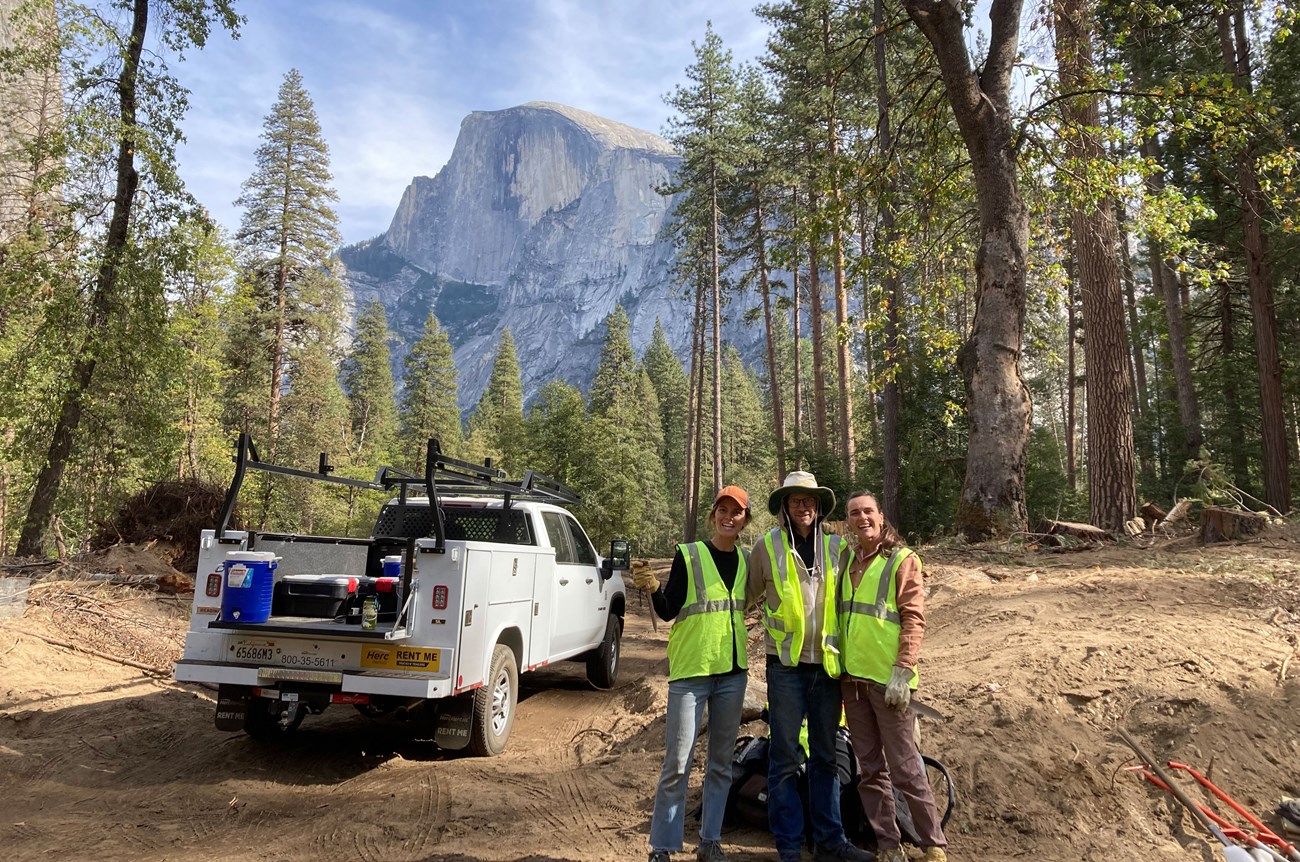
792, 569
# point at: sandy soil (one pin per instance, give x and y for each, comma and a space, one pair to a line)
1034, 658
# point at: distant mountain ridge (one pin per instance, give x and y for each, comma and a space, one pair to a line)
543, 220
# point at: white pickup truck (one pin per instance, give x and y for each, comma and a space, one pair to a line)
492, 579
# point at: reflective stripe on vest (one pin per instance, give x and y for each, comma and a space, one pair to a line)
785, 623
872, 630
708, 634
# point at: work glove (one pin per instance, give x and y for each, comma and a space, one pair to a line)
644, 577
898, 694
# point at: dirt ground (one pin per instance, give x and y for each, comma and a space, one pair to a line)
1035, 659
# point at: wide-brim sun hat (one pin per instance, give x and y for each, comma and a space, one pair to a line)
801, 482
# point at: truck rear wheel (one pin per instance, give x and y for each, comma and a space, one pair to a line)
494, 705
602, 664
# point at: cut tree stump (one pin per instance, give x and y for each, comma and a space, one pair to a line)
1224, 525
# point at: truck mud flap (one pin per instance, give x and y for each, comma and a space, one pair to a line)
454, 717
232, 706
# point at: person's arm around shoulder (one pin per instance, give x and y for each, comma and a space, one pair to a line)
758, 573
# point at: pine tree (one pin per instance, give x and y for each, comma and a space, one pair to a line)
616, 373
558, 431
367, 377
497, 426
429, 393
672, 391
288, 230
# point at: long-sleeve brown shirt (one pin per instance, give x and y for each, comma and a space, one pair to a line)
909, 594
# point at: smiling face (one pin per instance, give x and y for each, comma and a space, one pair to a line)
729, 519
802, 509
866, 521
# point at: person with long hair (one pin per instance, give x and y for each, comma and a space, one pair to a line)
704, 596
881, 609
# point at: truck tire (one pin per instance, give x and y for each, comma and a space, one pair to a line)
494, 705
602, 664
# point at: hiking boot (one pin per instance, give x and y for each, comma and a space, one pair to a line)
658, 856
790, 855
893, 854
935, 854
845, 852
710, 851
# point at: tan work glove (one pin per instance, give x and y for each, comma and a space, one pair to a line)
644, 577
898, 694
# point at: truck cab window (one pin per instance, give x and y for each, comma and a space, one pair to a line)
558, 533
586, 555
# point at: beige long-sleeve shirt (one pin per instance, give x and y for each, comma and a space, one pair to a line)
812, 583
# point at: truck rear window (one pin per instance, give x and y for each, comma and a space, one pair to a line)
504, 526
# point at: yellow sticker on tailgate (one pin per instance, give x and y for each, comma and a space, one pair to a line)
401, 658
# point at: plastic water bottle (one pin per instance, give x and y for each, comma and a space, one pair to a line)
369, 613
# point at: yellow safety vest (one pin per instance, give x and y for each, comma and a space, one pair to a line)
709, 631
869, 618
785, 623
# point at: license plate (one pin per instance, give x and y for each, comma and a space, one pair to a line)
401, 658
254, 650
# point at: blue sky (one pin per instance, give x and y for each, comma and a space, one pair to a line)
392, 79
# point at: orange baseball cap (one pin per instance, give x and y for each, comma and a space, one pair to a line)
736, 493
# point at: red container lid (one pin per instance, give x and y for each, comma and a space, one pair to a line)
386, 585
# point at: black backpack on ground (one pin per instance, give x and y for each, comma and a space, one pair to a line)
747, 801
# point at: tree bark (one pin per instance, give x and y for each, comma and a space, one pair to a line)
889, 501
1277, 481
797, 394
1112, 487
848, 451
715, 277
765, 290
693, 419
1165, 283
1071, 374
819, 352
998, 402
31, 541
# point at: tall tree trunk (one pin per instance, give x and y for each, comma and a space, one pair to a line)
873, 413
993, 492
890, 283
715, 276
693, 418
1112, 486
1235, 418
1277, 480
796, 299
1165, 283
1137, 348
818, 347
769, 332
31, 542
848, 449
1071, 372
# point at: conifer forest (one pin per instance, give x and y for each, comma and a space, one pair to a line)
1048, 267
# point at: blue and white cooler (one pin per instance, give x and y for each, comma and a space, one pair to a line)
250, 583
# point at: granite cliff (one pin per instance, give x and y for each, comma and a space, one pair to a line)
544, 218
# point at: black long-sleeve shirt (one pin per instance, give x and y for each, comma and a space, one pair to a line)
671, 595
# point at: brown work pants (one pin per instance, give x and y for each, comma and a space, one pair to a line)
887, 756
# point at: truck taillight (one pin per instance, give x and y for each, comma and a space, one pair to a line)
214, 585
439, 598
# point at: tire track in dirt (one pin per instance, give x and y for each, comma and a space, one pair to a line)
390, 826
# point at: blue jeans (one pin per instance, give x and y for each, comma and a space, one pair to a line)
724, 695
795, 693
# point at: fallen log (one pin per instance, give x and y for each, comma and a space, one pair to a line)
1086, 532
1153, 513
1225, 525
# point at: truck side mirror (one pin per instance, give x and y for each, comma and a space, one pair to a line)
620, 553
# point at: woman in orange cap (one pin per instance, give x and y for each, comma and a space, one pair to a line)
705, 597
